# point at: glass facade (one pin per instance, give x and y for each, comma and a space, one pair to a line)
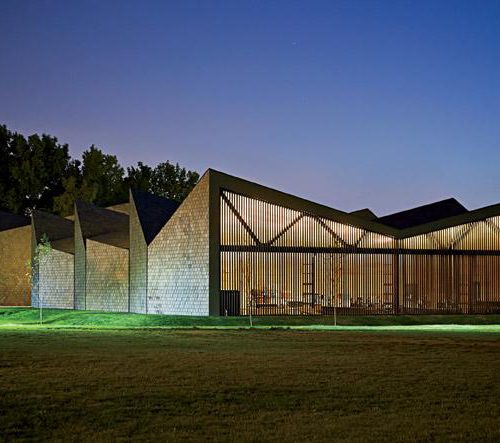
279, 261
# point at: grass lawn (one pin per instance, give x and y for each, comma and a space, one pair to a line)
60, 318
248, 385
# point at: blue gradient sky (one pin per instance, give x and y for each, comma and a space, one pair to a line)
386, 104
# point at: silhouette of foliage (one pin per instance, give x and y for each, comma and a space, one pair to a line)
33, 170
172, 181
139, 177
38, 172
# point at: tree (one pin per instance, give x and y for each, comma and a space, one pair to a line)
172, 181
165, 180
64, 203
37, 172
103, 177
99, 179
42, 250
139, 177
5, 179
33, 170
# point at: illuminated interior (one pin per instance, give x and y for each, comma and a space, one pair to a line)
281, 261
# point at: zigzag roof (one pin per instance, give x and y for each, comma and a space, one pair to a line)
59, 230
221, 181
153, 212
423, 214
11, 221
423, 219
103, 225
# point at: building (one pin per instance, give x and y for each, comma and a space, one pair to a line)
101, 239
273, 253
234, 247
15, 252
52, 275
148, 215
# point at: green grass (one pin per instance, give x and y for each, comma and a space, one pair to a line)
54, 318
246, 385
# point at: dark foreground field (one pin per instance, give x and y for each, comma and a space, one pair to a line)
248, 385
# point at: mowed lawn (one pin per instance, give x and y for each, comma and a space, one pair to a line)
248, 385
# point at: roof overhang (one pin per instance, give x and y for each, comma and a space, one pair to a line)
152, 211
59, 230
103, 225
220, 181
449, 222
11, 221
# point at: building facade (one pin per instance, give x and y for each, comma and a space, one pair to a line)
15, 252
52, 273
234, 247
148, 215
281, 255
101, 239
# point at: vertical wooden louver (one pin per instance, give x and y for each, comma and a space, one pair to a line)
279, 261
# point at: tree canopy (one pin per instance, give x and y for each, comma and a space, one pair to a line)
165, 180
32, 170
37, 172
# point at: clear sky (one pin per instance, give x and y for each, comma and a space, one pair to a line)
385, 104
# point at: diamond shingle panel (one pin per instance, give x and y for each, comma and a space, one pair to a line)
107, 278
80, 267
138, 264
178, 259
54, 281
15, 251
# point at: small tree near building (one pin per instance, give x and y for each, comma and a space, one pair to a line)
40, 254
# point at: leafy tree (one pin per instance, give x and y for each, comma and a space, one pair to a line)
64, 203
165, 180
139, 177
34, 169
40, 254
172, 181
5, 179
103, 177
99, 180
38, 172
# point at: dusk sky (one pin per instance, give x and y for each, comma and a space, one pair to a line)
385, 104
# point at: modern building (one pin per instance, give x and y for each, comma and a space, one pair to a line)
273, 253
234, 247
148, 215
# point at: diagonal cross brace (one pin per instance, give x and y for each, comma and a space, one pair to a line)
285, 229
330, 231
462, 234
240, 219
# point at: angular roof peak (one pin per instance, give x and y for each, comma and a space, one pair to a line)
221, 180
153, 212
103, 225
403, 224
58, 229
365, 213
423, 214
